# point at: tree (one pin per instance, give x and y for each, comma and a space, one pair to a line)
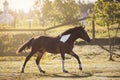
70, 10
107, 12
43, 11
46, 10
57, 15
57, 11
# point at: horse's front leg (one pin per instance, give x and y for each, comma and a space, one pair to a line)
77, 57
63, 62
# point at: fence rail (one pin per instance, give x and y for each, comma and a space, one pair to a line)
60, 25
3, 30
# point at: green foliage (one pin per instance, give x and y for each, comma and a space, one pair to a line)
10, 42
57, 11
108, 12
70, 10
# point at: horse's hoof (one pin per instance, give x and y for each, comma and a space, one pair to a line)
22, 71
80, 68
42, 71
65, 71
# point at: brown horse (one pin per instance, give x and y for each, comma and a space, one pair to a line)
61, 44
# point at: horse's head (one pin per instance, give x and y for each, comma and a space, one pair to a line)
82, 33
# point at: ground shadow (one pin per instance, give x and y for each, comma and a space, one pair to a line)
109, 76
67, 75
109, 50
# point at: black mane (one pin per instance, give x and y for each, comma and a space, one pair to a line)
71, 30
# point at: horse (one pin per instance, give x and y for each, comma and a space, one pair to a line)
61, 44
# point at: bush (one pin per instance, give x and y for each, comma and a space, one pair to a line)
10, 42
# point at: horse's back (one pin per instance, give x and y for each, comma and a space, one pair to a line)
49, 44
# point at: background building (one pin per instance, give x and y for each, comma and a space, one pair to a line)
5, 16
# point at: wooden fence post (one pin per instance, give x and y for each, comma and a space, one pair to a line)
93, 28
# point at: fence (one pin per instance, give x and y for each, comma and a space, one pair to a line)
45, 30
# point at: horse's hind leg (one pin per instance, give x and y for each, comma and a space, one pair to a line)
26, 60
39, 56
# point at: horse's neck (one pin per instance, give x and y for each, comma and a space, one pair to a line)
72, 39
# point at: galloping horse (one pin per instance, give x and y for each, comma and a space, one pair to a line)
62, 44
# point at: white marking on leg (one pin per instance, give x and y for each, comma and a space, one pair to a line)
64, 38
63, 68
22, 68
39, 67
80, 66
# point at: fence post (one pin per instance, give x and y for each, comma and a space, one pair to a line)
93, 28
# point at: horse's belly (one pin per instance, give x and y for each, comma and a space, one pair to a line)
53, 50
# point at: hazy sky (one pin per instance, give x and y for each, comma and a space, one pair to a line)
24, 5
18, 4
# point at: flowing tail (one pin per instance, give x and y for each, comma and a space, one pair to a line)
27, 45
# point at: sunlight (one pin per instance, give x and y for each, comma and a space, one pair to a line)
24, 5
